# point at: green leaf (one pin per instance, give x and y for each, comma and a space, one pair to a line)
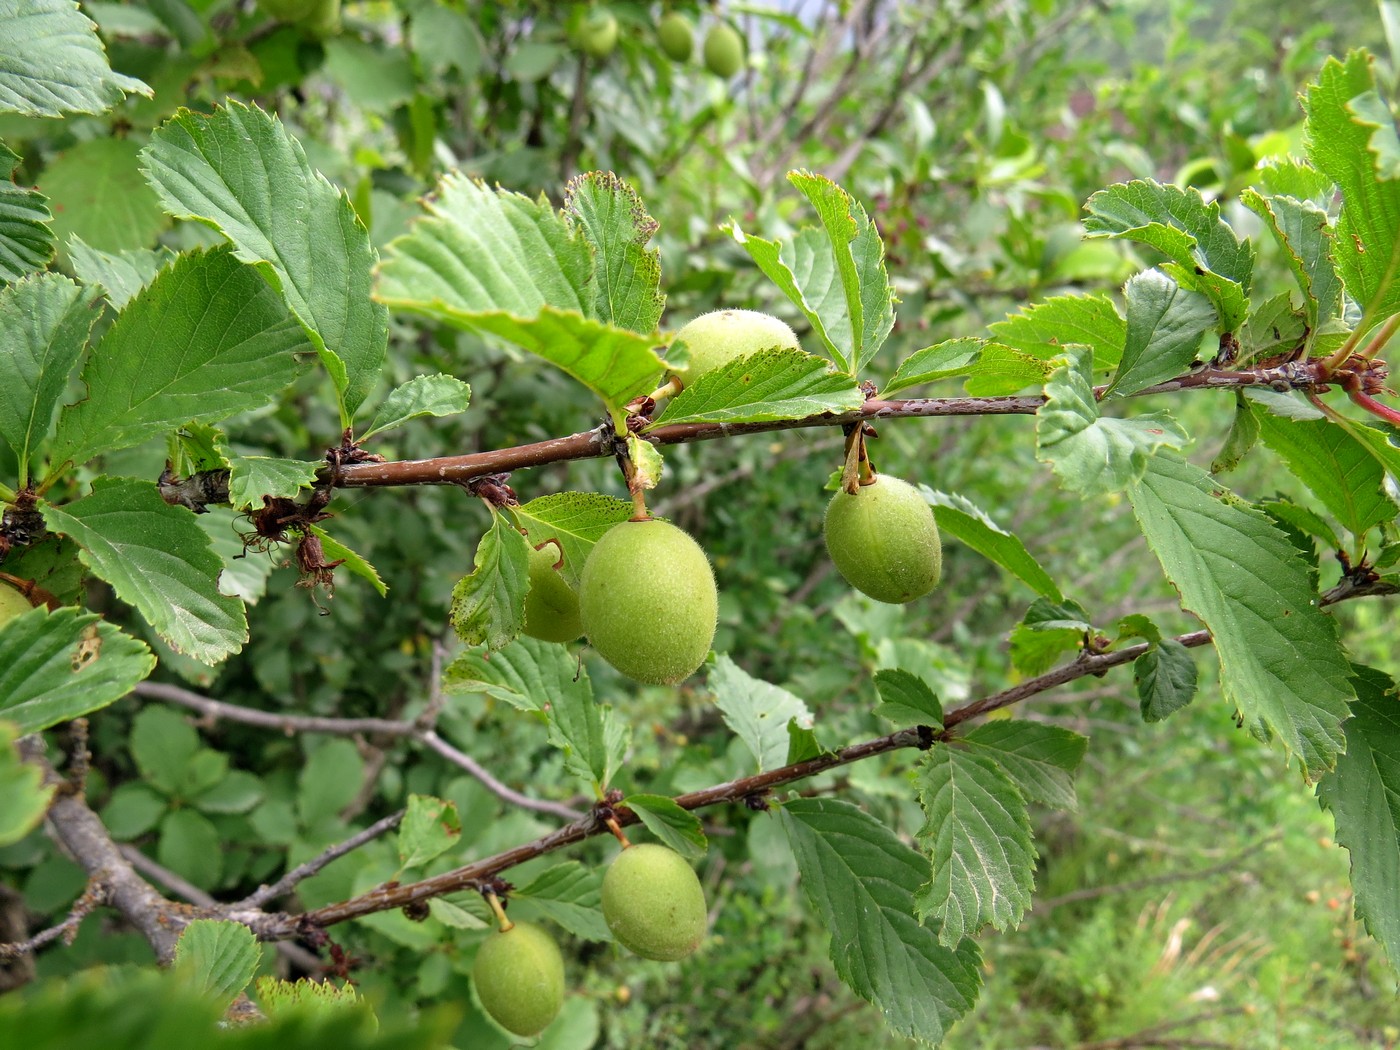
952, 357
27, 240
430, 826
488, 604
57, 666
771, 384
1339, 142
1302, 520
279, 998
133, 810
906, 699
1208, 256
218, 957
958, 517
571, 895
1244, 432
977, 833
1280, 662
1166, 679
1047, 631
594, 741
57, 64
1305, 235
96, 192
44, 325
756, 710
355, 563
1002, 370
1336, 467
647, 462
861, 879
241, 173
457, 916
189, 846
1273, 327
21, 786
237, 792
157, 558
1165, 325
253, 477
1040, 760
375, 79
615, 222
1293, 178
675, 827
1090, 454
163, 743
1363, 795
1042, 330
329, 781
577, 520
205, 340
121, 275
438, 395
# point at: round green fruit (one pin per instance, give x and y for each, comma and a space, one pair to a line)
12, 604
718, 337
884, 540
519, 978
676, 37
324, 19
648, 601
289, 10
597, 33
551, 606
653, 902
723, 51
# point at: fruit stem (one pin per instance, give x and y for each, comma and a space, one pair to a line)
857, 471
617, 831
502, 920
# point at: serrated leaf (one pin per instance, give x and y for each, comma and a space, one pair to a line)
1293, 178
57, 64
1002, 370
253, 477
571, 895
1363, 795
1305, 235
615, 222
353, 562
21, 786
488, 604
1302, 520
1092, 454
1166, 679
328, 781
1041, 760
577, 520
189, 846
121, 275
1244, 432
1336, 467
205, 340
438, 395
594, 741
52, 565
952, 357
218, 957
960, 518
647, 462
1280, 661
906, 699
977, 833
1165, 325
44, 325
780, 383
1047, 631
1339, 142
1272, 327
457, 917
57, 666
27, 241
162, 744
861, 880
240, 172
430, 826
96, 192
757, 711
1042, 330
157, 558
279, 998
675, 827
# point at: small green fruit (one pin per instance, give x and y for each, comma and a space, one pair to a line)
289, 10
653, 902
12, 604
597, 33
724, 50
676, 37
551, 606
324, 19
716, 338
884, 540
519, 978
648, 601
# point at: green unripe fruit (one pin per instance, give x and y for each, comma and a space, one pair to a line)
289, 10
551, 606
884, 540
724, 50
718, 337
653, 902
519, 978
676, 37
597, 33
12, 604
648, 601
324, 19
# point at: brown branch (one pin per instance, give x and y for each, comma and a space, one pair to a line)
92, 898
287, 882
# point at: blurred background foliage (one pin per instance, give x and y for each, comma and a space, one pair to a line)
1194, 895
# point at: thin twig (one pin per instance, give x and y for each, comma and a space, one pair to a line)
287, 882
465, 761
92, 898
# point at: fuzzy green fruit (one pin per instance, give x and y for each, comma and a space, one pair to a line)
676, 37
648, 601
724, 50
718, 337
12, 604
551, 606
884, 540
519, 978
597, 33
653, 902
